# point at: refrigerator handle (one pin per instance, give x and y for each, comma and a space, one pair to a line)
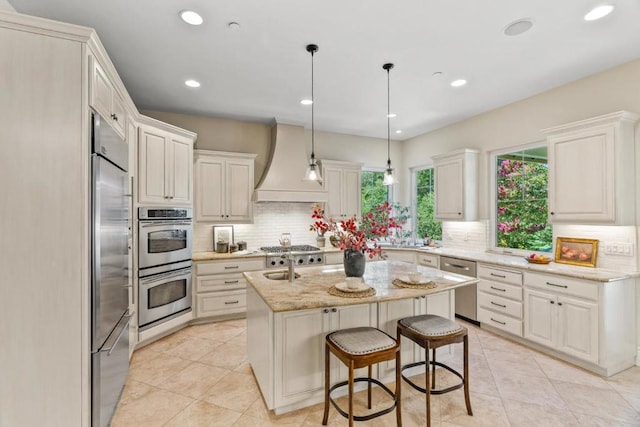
110, 344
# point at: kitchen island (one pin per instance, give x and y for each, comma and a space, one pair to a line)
287, 323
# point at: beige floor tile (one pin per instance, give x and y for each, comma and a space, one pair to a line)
228, 356
203, 414
414, 410
195, 380
528, 389
487, 410
259, 410
237, 323
494, 342
523, 414
558, 370
513, 364
134, 390
157, 368
248, 421
152, 409
240, 339
598, 402
214, 331
235, 391
316, 412
632, 399
627, 381
244, 368
592, 421
193, 348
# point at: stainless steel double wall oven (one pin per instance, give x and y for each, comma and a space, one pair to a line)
164, 264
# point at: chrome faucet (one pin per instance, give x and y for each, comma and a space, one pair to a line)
290, 259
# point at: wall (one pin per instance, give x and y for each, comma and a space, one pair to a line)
5, 5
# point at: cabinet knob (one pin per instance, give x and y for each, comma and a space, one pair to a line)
552, 302
326, 310
114, 117
459, 213
333, 310
559, 303
552, 213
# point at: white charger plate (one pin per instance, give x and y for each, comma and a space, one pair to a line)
344, 288
423, 281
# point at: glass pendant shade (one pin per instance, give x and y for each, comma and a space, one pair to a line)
389, 179
313, 172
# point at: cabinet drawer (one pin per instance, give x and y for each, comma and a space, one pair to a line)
428, 260
500, 305
500, 289
229, 266
399, 255
500, 275
500, 321
219, 303
562, 285
331, 258
220, 282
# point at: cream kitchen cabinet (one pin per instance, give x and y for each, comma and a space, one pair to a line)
500, 298
342, 181
105, 99
428, 260
299, 359
220, 287
333, 257
591, 170
165, 171
224, 186
408, 255
587, 321
456, 185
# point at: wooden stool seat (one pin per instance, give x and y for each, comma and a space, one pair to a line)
430, 332
358, 348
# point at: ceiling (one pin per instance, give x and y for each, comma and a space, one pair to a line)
261, 71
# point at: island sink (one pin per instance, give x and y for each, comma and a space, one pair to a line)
279, 275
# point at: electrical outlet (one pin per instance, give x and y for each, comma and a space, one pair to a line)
618, 248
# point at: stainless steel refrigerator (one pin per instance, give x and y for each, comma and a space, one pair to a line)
109, 290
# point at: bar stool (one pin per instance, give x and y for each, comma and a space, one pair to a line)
357, 348
430, 332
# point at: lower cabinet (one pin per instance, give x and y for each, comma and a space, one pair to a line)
399, 255
220, 288
500, 298
428, 260
299, 349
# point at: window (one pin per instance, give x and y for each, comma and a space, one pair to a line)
521, 202
424, 197
372, 190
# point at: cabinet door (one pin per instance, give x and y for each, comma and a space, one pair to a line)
180, 159
152, 179
578, 328
118, 116
351, 190
347, 317
210, 184
388, 315
239, 185
539, 323
581, 170
449, 189
101, 91
299, 354
333, 184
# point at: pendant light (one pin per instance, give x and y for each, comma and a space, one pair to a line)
388, 173
313, 171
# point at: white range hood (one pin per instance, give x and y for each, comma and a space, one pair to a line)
283, 179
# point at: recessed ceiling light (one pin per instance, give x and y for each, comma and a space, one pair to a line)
598, 12
192, 83
306, 102
458, 83
398, 131
392, 115
518, 27
191, 17
234, 25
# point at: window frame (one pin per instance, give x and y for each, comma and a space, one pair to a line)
493, 155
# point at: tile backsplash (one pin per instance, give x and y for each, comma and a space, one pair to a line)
270, 221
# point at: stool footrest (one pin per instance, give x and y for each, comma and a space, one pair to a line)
432, 391
363, 417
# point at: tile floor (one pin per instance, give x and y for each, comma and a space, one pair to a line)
199, 376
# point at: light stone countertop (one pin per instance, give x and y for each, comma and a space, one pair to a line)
503, 260
310, 290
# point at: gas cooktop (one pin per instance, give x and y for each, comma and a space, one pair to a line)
293, 248
301, 255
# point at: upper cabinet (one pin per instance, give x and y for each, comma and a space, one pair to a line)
224, 186
456, 185
591, 170
165, 173
343, 183
104, 98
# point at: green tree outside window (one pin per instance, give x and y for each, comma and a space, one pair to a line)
426, 225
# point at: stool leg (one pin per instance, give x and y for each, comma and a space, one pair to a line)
398, 390
466, 375
433, 376
327, 376
351, 393
370, 374
426, 382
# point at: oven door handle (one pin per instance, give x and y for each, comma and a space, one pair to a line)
146, 224
166, 275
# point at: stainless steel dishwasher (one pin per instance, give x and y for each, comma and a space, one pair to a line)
466, 297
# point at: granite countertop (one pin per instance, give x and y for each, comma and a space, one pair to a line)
310, 289
496, 259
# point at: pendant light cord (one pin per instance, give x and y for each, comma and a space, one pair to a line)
313, 103
388, 121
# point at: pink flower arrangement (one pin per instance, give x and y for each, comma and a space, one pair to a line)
361, 236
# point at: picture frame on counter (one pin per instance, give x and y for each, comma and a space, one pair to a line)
222, 238
574, 251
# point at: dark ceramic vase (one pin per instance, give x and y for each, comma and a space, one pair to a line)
354, 263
